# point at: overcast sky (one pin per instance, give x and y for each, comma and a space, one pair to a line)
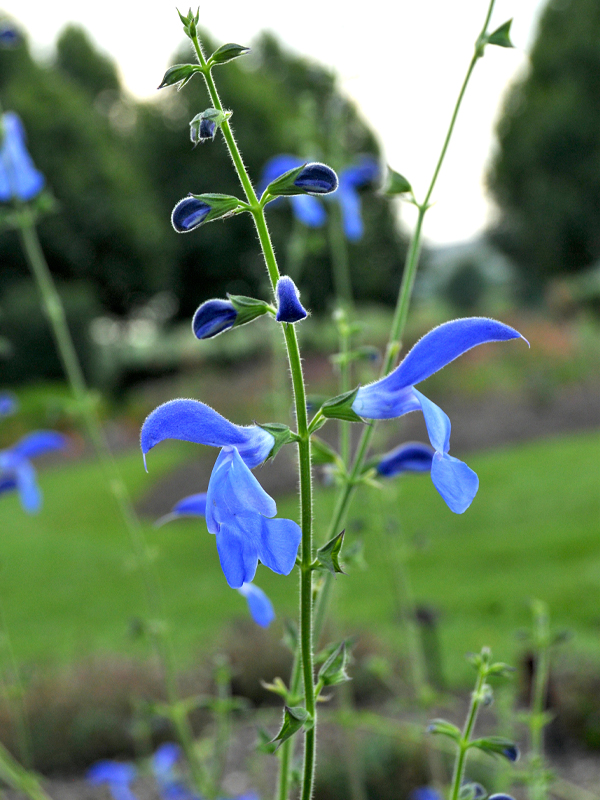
402, 62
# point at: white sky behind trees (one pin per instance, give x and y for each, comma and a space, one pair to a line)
402, 62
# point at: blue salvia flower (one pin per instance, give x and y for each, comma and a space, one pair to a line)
306, 208
213, 317
396, 395
114, 774
409, 457
164, 762
425, 793
8, 405
259, 605
17, 472
189, 213
317, 178
193, 421
289, 307
352, 178
19, 179
240, 513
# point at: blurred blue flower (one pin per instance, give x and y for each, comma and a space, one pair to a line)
8, 404
19, 179
396, 395
17, 472
289, 307
240, 513
306, 208
193, 421
259, 605
116, 775
170, 785
425, 793
213, 317
409, 457
9, 35
352, 178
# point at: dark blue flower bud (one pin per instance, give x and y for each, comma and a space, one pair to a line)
511, 752
188, 214
289, 307
9, 36
204, 125
317, 179
501, 797
213, 317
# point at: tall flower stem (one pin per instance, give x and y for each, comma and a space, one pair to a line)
304, 458
463, 743
538, 789
55, 312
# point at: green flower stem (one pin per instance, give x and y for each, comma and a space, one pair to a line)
537, 718
463, 744
55, 312
18, 778
14, 685
293, 350
340, 260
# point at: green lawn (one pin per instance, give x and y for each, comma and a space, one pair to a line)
70, 588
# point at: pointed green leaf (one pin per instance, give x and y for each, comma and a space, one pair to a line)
265, 744
444, 728
340, 407
329, 554
294, 719
333, 670
179, 74
501, 36
227, 52
396, 183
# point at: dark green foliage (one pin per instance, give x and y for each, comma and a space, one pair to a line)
546, 175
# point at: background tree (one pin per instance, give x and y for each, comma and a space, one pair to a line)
546, 174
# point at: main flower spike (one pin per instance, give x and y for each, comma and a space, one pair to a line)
396, 395
19, 179
17, 472
289, 307
352, 178
409, 457
306, 208
259, 605
240, 513
193, 421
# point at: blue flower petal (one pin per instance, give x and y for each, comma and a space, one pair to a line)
188, 214
18, 176
317, 178
276, 166
29, 493
259, 605
279, 542
289, 307
377, 401
234, 491
164, 759
37, 443
437, 423
455, 481
425, 793
350, 205
213, 317
7, 483
355, 176
193, 421
308, 210
8, 405
409, 457
237, 551
110, 772
194, 505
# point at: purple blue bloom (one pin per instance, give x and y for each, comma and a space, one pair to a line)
395, 395
116, 775
425, 793
17, 472
260, 607
306, 208
188, 214
193, 421
409, 457
352, 178
240, 513
317, 178
19, 179
289, 307
8, 405
213, 317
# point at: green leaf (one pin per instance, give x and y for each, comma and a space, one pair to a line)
227, 52
500, 669
328, 555
294, 719
501, 36
340, 407
179, 74
396, 184
322, 453
248, 309
265, 744
444, 728
497, 746
280, 432
333, 670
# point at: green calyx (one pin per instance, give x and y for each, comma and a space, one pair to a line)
283, 186
221, 205
281, 433
340, 407
190, 22
395, 184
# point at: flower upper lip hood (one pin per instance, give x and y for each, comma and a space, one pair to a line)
193, 421
18, 176
16, 470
